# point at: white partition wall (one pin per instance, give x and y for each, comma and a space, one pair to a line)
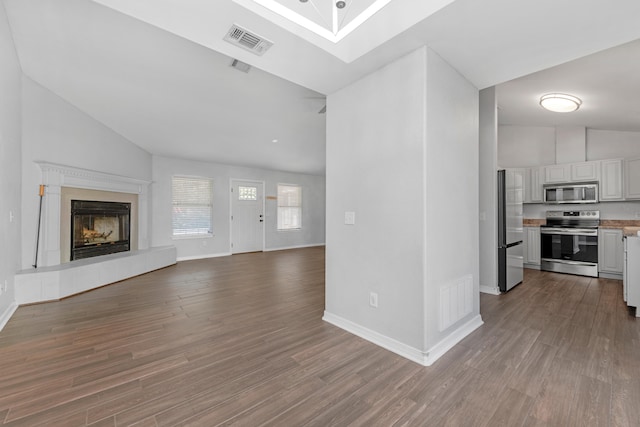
402, 207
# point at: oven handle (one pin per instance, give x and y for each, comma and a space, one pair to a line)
564, 261
569, 231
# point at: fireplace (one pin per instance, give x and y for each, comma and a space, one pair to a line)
99, 228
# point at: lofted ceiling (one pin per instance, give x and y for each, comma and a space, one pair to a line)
158, 71
607, 82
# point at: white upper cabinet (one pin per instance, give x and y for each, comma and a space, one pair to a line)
533, 185
557, 173
611, 180
632, 178
619, 179
587, 171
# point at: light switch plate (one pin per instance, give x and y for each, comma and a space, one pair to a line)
349, 218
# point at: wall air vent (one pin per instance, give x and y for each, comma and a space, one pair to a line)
247, 40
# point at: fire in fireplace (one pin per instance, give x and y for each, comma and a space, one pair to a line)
99, 228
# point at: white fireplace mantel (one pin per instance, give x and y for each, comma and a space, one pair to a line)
53, 280
56, 176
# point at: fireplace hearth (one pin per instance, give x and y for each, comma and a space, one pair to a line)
99, 228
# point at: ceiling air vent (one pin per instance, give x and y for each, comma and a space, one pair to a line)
246, 40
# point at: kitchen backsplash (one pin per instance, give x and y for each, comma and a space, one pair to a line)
608, 210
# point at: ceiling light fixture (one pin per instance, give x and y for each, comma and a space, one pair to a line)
340, 4
560, 102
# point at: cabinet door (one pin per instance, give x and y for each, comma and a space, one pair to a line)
611, 180
610, 250
632, 178
535, 185
587, 171
532, 242
557, 173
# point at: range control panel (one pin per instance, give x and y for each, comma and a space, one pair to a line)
574, 214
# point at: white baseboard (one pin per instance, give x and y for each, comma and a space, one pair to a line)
614, 276
452, 339
489, 290
194, 257
284, 248
4, 317
421, 357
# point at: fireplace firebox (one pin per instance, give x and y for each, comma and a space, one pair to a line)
99, 228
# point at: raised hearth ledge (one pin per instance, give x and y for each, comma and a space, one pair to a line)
60, 281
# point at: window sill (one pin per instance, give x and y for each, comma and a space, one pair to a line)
192, 236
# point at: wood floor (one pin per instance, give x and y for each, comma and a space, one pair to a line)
239, 341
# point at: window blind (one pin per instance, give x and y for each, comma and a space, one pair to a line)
192, 206
289, 207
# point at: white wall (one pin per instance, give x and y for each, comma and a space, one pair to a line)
488, 184
313, 210
608, 210
402, 153
527, 146
605, 144
375, 155
10, 167
452, 191
57, 132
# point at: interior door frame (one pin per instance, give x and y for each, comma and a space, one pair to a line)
231, 201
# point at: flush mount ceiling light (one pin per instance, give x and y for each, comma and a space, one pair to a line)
560, 102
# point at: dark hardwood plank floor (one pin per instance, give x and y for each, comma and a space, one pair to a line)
239, 341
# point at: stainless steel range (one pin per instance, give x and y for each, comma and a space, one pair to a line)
569, 242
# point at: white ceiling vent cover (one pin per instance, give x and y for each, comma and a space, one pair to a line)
247, 40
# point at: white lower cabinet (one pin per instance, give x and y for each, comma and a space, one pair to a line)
610, 251
531, 243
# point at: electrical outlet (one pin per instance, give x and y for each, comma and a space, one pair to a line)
373, 299
638, 215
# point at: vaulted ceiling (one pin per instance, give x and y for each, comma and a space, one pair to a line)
158, 71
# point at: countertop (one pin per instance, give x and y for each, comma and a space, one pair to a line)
533, 222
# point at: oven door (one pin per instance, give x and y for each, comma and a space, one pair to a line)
569, 244
569, 250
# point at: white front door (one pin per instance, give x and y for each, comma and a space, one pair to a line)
247, 216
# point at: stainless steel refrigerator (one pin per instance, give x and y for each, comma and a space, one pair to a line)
510, 246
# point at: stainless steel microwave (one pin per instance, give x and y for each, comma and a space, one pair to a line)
582, 192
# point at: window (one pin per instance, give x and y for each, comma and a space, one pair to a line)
289, 207
247, 193
192, 201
